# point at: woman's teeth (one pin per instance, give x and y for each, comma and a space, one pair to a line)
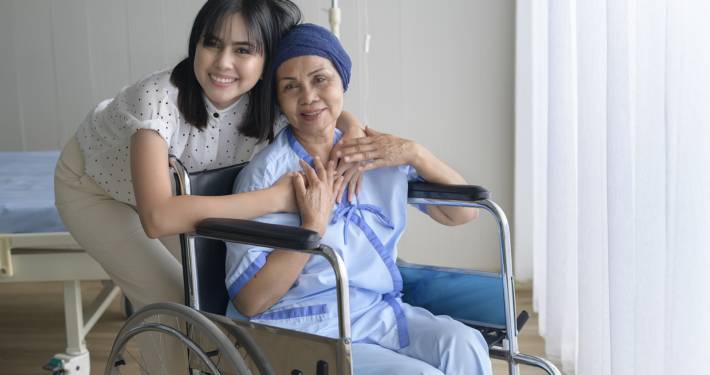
223, 80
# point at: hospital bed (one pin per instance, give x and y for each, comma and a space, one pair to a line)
35, 247
219, 345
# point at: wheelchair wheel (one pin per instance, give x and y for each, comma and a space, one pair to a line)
253, 356
168, 338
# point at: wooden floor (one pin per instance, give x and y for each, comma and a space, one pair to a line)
32, 328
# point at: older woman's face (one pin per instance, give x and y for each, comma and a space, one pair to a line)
310, 93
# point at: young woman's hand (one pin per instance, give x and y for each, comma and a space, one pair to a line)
378, 150
284, 188
315, 194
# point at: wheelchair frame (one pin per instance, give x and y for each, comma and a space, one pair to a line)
298, 239
508, 351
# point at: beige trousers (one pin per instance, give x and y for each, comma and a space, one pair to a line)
147, 270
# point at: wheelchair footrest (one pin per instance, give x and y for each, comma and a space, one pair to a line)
494, 336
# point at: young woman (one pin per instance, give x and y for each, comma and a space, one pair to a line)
297, 291
112, 183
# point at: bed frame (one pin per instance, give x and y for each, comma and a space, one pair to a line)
27, 206
45, 257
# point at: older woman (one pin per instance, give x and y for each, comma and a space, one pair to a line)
295, 291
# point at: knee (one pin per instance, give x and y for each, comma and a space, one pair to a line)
465, 348
416, 369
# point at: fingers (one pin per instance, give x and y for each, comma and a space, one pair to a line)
353, 185
330, 172
310, 174
374, 164
346, 143
359, 182
334, 151
342, 167
338, 187
321, 174
347, 177
320, 169
346, 149
299, 187
339, 192
363, 156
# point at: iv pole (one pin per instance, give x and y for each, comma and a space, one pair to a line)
334, 18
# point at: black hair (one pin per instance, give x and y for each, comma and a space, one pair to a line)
266, 21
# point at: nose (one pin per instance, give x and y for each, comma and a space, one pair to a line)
308, 94
224, 59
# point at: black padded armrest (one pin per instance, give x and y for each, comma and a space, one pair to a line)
429, 190
257, 233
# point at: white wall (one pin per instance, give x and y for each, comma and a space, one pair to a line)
60, 57
437, 72
441, 73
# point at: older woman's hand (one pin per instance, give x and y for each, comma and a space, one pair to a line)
315, 193
378, 150
350, 171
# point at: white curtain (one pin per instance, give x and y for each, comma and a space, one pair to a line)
613, 181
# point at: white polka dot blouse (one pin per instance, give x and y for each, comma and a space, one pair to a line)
104, 136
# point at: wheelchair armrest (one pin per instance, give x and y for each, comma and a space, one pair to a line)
428, 190
257, 233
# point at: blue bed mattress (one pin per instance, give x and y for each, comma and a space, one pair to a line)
27, 192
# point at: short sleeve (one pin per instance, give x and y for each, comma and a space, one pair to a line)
146, 105
243, 261
412, 175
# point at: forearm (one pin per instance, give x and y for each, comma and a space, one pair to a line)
271, 283
282, 267
180, 214
432, 169
163, 214
275, 278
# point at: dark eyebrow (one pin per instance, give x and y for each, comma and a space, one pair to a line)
242, 43
238, 43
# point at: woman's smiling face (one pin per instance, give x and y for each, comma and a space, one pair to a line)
310, 94
227, 65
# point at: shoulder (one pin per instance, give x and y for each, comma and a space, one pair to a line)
151, 100
280, 123
267, 166
153, 89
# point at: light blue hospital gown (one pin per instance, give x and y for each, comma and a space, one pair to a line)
389, 335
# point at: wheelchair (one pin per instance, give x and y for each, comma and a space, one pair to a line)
212, 343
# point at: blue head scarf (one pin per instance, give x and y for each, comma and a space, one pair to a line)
309, 39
